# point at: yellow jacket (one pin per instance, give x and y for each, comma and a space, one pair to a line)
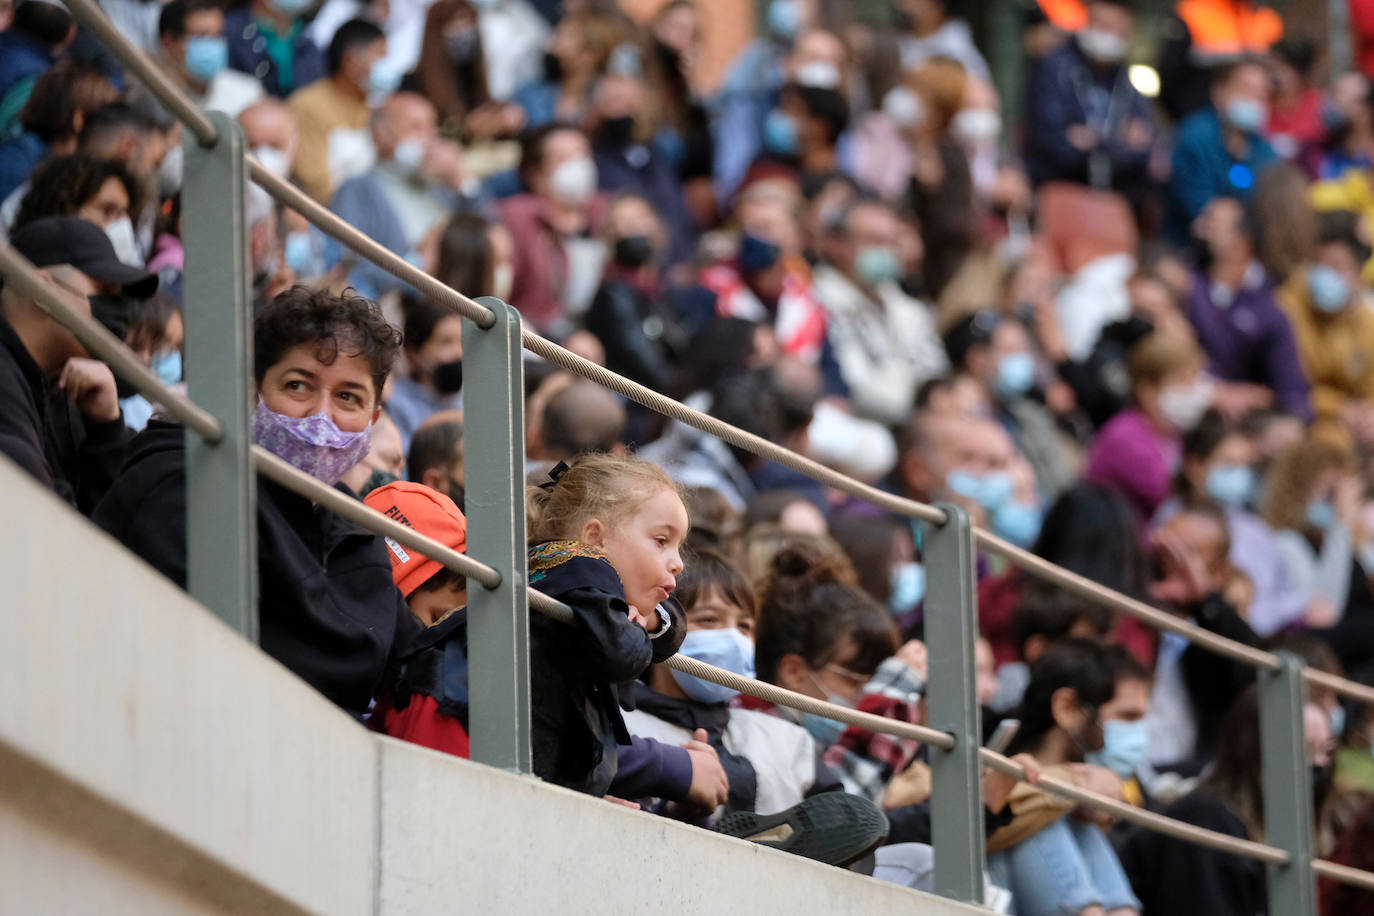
1337, 351
1353, 191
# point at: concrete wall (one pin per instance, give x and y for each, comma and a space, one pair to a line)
151, 761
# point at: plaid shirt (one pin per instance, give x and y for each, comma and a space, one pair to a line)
866, 761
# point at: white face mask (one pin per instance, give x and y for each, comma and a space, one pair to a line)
273, 159
409, 156
502, 280
1184, 405
976, 125
170, 172
574, 182
819, 74
1103, 47
121, 233
904, 107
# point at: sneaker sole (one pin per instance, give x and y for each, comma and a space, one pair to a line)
833, 827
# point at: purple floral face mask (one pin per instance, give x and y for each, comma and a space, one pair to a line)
311, 444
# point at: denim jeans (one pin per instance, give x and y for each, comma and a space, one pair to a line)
1062, 869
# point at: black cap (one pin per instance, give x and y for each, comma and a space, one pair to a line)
85, 246
968, 332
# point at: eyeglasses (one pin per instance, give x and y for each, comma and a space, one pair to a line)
853, 677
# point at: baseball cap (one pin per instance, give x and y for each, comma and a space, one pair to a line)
429, 512
85, 246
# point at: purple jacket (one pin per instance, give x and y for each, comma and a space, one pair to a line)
1250, 340
1131, 457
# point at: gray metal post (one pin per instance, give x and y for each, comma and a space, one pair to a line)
1288, 820
221, 488
498, 619
951, 629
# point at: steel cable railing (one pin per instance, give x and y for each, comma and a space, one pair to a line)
107, 347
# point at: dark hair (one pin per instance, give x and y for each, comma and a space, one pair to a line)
1052, 614
825, 105
47, 22
1199, 443
419, 318
345, 323
1092, 531
716, 525
1235, 775
1342, 227
465, 255
57, 98
723, 345
709, 571
1222, 73
805, 609
435, 444
968, 332
148, 318
767, 506
1297, 52
61, 185
868, 540
172, 22
113, 119
1082, 665
442, 578
355, 33
533, 143
749, 399
583, 417
1126, 667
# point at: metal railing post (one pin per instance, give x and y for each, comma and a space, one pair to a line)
951, 630
1287, 788
498, 619
221, 488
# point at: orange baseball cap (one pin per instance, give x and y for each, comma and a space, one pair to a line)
429, 512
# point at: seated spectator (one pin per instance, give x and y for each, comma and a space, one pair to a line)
332, 112
577, 54
884, 340
997, 353
434, 359
1086, 123
1335, 329
1296, 121
1137, 450
583, 418
962, 459
60, 419
1312, 500
51, 120
1218, 464
1248, 340
36, 36
929, 30
267, 41
804, 129
643, 338
195, 55
627, 158
155, 332
436, 455
100, 191
404, 200
1061, 723
452, 75
1218, 151
328, 608
549, 222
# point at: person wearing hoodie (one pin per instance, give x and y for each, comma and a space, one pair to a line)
327, 606
1334, 328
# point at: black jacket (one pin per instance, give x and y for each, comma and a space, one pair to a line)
642, 340
327, 605
577, 670
41, 432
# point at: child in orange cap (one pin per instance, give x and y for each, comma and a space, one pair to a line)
428, 703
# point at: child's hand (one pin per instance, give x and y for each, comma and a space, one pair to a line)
710, 786
633, 806
649, 623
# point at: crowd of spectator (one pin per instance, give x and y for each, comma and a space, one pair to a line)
1125, 321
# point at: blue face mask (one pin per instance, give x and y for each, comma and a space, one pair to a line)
1231, 484
1328, 288
299, 253
1338, 722
784, 18
1247, 115
167, 366
1321, 514
825, 731
780, 134
206, 56
1018, 522
990, 491
1015, 374
384, 78
876, 264
908, 587
725, 648
292, 7
1123, 747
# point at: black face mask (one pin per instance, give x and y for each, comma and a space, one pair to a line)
1321, 787
553, 68
634, 251
668, 57
463, 46
113, 313
617, 131
378, 478
448, 377
458, 493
